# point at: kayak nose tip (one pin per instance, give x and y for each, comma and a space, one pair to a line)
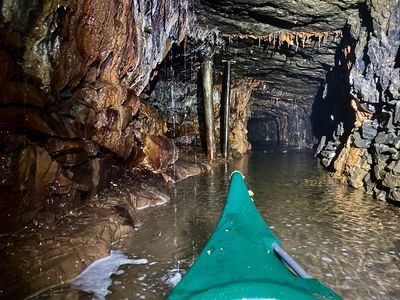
236, 171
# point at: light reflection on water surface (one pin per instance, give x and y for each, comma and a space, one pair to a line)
339, 235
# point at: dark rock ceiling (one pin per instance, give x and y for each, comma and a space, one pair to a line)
289, 46
261, 17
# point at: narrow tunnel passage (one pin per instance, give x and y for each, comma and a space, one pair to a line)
263, 132
102, 115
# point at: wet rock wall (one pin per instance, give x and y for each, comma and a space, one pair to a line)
71, 74
285, 116
292, 68
368, 155
177, 95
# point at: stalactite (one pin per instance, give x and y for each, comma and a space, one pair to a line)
291, 38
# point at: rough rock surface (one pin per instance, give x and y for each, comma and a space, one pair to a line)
370, 155
240, 113
263, 17
71, 74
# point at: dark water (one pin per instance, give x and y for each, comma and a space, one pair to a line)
339, 235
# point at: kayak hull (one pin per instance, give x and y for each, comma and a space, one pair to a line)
239, 260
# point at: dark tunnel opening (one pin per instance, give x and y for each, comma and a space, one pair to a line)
263, 132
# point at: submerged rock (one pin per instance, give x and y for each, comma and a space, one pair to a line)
57, 251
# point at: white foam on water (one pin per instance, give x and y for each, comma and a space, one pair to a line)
326, 259
141, 278
96, 279
172, 277
120, 272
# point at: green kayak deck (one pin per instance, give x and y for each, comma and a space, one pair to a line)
239, 260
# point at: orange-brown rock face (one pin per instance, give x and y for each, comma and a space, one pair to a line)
352, 164
108, 52
160, 152
240, 97
70, 76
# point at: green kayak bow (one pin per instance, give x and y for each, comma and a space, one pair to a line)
244, 260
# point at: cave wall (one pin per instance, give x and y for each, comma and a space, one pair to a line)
291, 113
292, 70
177, 94
71, 74
263, 132
368, 157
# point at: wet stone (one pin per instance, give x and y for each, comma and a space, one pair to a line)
367, 157
56, 146
183, 169
380, 194
331, 146
160, 152
78, 110
390, 127
368, 184
359, 142
356, 177
368, 107
397, 143
396, 168
71, 160
395, 195
65, 94
379, 170
327, 157
391, 181
321, 145
10, 142
141, 202
396, 156
384, 149
91, 148
369, 129
396, 116
386, 138
62, 185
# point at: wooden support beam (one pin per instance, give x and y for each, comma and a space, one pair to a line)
208, 88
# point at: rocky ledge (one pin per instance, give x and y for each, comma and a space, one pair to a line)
52, 250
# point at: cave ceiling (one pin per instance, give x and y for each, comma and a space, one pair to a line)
289, 46
261, 17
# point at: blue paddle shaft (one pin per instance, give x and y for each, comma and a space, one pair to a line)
290, 261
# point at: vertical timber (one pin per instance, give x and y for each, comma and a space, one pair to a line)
208, 88
226, 104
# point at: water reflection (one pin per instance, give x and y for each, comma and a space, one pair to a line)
338, 234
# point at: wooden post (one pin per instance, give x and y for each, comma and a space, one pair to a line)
208, 88
226, 110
